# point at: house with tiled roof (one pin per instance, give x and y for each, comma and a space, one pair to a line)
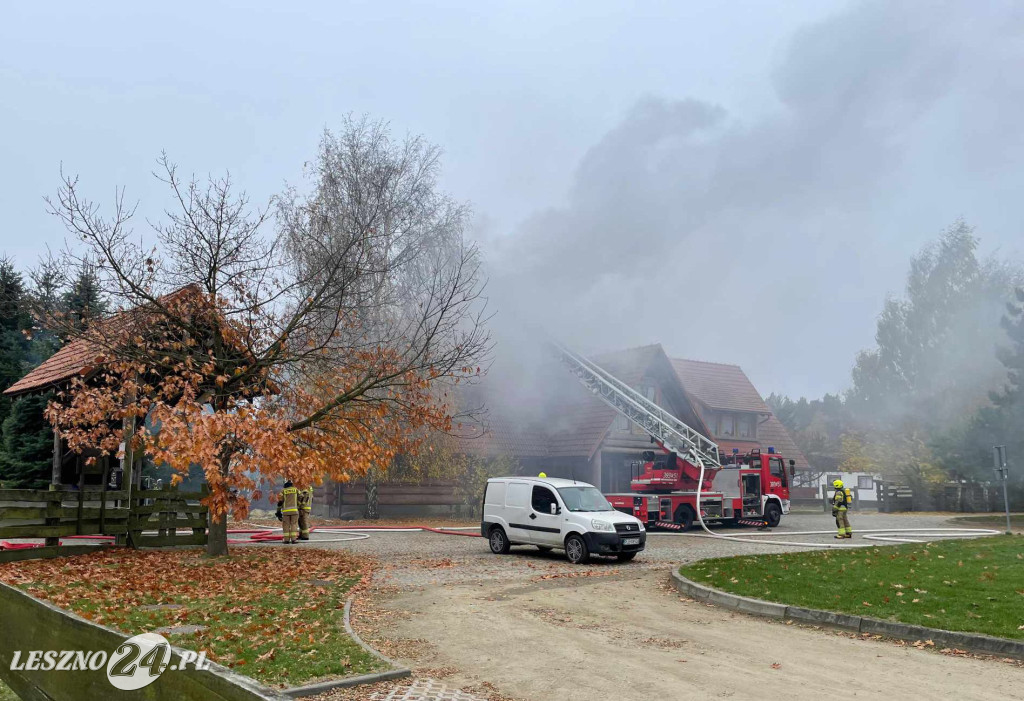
575, 434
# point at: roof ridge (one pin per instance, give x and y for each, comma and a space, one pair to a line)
708, 362
631, 349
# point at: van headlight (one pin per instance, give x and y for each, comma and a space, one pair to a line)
601, 525
641, 524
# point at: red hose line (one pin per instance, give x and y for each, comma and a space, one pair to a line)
257, 535
442, 531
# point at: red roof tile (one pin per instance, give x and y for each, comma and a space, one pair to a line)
81, 355
76, 358
576, 422
581, 420
719, 386
771, 433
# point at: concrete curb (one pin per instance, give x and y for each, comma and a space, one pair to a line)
397, 671
974, 642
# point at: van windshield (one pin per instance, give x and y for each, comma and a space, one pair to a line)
584, 499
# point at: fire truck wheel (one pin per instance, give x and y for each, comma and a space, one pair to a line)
772, 514
576, 550
498, 541
684, 517
544, 548
626, 557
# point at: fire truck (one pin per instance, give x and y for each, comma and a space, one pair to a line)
690, 476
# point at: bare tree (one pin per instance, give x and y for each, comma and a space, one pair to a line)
320, 348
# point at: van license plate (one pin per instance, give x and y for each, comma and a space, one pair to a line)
631, 541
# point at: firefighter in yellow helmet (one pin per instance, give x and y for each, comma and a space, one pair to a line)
543, 474
841, 501
288, 505
305, 507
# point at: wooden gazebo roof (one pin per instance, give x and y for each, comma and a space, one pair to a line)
79, 357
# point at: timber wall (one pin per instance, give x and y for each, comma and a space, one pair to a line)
395, 498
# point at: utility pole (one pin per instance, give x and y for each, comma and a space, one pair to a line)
1003, 472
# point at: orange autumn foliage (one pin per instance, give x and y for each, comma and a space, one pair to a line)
248, 423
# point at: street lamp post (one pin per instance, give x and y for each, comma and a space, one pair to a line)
1003, 472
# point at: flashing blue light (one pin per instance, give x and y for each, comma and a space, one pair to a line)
771, 450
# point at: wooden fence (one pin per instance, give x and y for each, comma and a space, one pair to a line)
50, 514
155, 517
167, 511
962, 497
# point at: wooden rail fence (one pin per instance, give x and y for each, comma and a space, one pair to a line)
168, 511
35, 513
153, 518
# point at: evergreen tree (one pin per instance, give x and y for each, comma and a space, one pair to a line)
84, 301
970, 449
935, 355
44, 299
26, 449
14, 322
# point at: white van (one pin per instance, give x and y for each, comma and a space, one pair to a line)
557, 513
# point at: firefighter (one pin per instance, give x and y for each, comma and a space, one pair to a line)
543, 475
305, 507
288, 505
841, 501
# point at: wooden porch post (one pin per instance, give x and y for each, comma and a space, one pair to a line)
127, 470
58, 458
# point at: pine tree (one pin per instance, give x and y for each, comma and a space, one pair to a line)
84, 301
969, 450
26, 448
14, 321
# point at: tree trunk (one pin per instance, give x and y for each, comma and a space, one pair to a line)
217, 534
217, 537
372, 503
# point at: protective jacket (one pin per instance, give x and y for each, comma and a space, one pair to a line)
289, 501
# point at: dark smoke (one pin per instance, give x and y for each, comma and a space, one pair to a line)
772, 241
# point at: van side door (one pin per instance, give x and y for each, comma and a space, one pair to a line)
545, 527
517, 511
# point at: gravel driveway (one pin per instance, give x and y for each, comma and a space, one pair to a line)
531, 626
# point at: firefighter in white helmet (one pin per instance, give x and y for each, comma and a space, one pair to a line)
841, 502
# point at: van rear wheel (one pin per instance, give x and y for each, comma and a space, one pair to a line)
498, 541
576, 550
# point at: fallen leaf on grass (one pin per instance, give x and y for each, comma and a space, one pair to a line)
776, 665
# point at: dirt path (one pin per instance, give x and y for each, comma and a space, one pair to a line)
633, 638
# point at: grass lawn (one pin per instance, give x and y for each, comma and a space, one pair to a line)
964, 585
262, 615
6, 694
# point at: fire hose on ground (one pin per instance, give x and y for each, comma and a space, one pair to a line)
272, 534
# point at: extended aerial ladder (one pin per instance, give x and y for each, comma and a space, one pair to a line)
668, 432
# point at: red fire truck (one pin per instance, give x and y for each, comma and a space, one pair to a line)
751, 489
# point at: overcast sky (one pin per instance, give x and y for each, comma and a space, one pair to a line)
742, 182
